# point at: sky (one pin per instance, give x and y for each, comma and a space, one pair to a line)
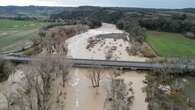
109, 3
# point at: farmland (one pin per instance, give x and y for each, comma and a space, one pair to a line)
15, 34
170, 44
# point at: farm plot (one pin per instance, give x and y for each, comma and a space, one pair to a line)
170, 44
15, 34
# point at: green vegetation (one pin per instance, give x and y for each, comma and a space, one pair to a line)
170, 44
180, 21
14, 34
6, 68
28, 11
190, 90
164, 92
19, 24
166, 88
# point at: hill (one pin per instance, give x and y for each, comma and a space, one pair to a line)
29, 11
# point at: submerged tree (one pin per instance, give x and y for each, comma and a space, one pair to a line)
120, 96
95, 77
165, 86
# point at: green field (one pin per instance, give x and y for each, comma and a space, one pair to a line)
14, 33
170, 44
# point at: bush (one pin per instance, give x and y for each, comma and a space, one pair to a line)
91, 22
5, 69
148, 51
190, 35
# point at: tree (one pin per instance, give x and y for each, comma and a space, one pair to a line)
130, 25
165, 85
36, 91
120, 95
46, 71
95, 76
14, 101
52, 39
6, 68
91, 22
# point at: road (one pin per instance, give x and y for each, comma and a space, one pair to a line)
105, 63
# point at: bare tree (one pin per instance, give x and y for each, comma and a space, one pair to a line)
14, 101
48, 70
95, 77
36, 92
167, 81
8, 100
53, 39
120, 95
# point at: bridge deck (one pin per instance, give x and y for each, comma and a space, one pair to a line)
106, 63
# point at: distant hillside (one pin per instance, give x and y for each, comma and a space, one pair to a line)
29, 11
75, 12
86, 11
111, 14
169, 20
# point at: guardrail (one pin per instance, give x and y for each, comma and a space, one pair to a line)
105, 63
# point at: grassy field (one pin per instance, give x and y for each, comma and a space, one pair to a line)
170, 44
14, 33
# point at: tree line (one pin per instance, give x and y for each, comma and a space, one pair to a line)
179, 21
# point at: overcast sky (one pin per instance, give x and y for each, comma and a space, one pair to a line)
118, 3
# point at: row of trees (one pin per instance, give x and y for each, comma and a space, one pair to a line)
52, 39
91, 22
136, 34
168, 25
130, 25
153, 19
41, 87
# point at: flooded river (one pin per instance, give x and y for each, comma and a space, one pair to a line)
80, 93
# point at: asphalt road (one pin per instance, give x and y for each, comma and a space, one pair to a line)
105, 63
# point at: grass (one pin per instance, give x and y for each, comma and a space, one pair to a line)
170, 44
19, 24
15, 33
27, 52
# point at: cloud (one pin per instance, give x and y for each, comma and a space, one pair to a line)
31, 2
118, 3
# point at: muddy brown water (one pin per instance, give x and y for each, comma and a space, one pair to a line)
81, 96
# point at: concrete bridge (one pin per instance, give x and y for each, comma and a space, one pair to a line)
89, 63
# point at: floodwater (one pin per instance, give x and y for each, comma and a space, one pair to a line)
138, 85
77, 45
81, 95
